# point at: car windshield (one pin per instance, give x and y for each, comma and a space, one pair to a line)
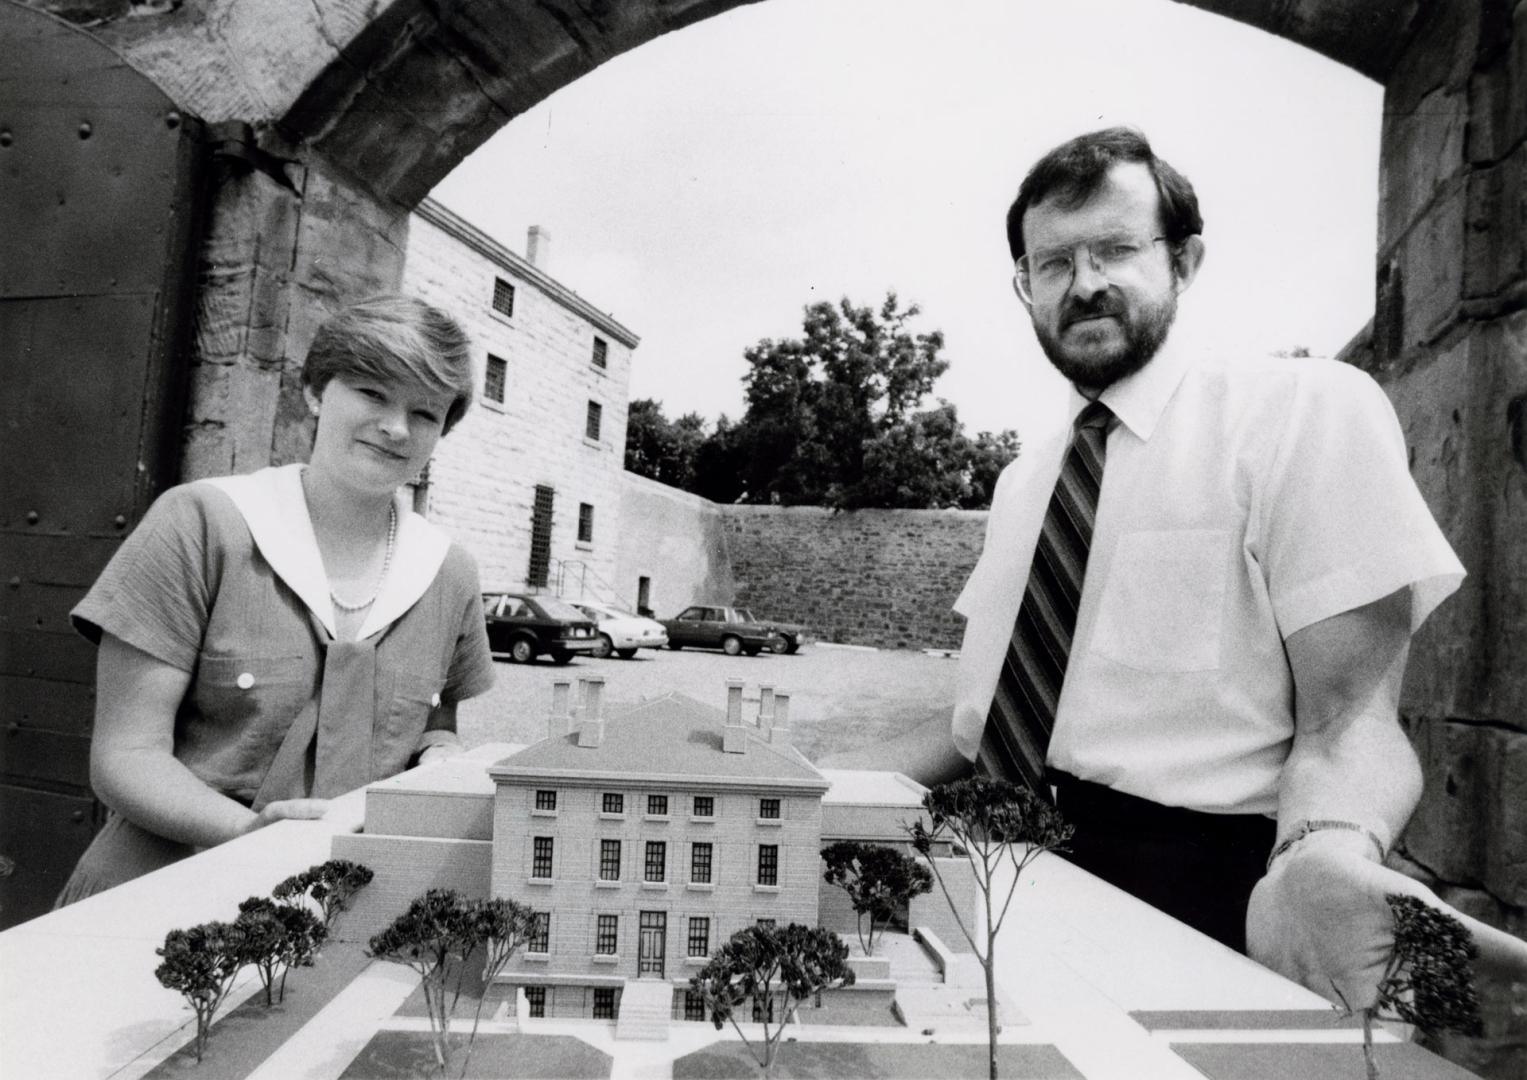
744, 615
558, 608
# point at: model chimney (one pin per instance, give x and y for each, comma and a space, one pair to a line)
538, 247
780, 732
765, 709
559, 723
734, 736
591, 721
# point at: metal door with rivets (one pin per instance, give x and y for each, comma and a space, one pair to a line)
99, 213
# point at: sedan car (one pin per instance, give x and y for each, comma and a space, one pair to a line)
714, 626
621, 632
522, 627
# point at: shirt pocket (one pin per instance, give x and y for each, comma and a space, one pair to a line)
1162, 607
245, 707
414, 697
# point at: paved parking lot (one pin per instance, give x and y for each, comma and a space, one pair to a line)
839, 696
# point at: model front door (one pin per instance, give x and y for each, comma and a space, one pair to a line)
654, 935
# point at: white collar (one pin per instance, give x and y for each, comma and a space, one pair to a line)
276, 512
1138, 400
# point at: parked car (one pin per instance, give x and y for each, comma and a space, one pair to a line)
713, 626
792, 635
621, 632
522, 627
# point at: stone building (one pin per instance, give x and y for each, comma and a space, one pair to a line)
530, 479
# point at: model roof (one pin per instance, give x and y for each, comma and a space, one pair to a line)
670, 738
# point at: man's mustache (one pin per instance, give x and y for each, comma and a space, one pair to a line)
1090, 309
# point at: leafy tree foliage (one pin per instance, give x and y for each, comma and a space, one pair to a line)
878, 880
277, 938
201, 964
770, 966
995, 824
834, 418
328, 885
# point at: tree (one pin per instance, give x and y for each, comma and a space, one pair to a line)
277, 938
328, 885
992, 823
770, 965
660, 449
989, 455
878, 880
201, 964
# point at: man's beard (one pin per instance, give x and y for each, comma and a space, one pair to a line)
1143, 336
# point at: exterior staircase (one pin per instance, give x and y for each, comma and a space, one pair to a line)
645, 1008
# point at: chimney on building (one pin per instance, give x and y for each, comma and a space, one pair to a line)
591, 720
538, 248
780, 732
765, 709
559, 723
734, 736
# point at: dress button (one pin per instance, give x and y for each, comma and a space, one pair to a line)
434, 701
245, 681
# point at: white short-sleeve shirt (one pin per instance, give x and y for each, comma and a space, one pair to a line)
1241, 501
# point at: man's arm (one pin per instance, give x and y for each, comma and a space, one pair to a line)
926, 753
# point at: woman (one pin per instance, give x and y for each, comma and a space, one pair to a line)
273, 640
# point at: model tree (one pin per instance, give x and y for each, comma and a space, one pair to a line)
770, 966
328, 885
994, 824
201, 964
878, 880
277, 938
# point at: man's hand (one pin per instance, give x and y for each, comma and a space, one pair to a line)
1320, 918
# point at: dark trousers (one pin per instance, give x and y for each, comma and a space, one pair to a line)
1198, 868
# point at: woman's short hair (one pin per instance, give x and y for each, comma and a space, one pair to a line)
394, 338
1074, 171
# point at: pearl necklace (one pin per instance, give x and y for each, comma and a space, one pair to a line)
392, 536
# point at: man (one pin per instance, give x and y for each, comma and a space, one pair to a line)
1190, 619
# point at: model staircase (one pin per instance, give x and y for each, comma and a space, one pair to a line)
646, 1006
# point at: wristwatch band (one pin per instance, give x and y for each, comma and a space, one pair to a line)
1307, 827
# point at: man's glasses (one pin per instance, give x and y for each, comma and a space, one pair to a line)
1048, 272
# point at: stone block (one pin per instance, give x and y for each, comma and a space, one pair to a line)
1430, 263
1421, 154
1440, 53
1496, 237
1498, 92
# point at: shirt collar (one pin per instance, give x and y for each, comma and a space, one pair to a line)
273, 506
1138, 400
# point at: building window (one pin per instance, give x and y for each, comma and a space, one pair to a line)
535, 997
592, 421
540, 536
768, 864
585, 523
699, 935
705, 806
699, 863
657, 805
657, 861
494, 379
765, 924
601, 353
604, 938
540, 933
540, 863
503, 297
694, 1005
763, 1008
609, 860
546, 800
604, 1003
768, 808
613, 803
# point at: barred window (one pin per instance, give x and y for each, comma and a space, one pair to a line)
540, 933
592, 420
765, 924
546, 800
657, 805
503, 297
609, 860
613, 803
694, 1005
535, 997
768, 808
699, 935
768, 864
705, 806
601, 356
604, 939
604, 1003
494, 378
699, 863
540, 863
657, 861
763, 1009
585, 523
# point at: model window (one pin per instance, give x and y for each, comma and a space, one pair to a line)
604, 1003
699, 863
592, 420
694, 1006
657, 861
601, 356
705, 806
540, 864
609, 860
540, 933
768, 864
768, 808
494, 379
765, 924
657, 805
503, 297
613, 803
763, 1008
546, 800
535, 997
604, 939
699, 936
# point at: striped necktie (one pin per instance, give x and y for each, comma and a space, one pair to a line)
1022, 713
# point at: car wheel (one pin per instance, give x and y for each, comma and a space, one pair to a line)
625, 654
792, 647
560, 656
731, 645
522, 650
780, 647
605, 647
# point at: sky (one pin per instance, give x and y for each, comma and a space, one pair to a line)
704, 187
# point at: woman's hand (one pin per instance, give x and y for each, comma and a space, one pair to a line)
288, 809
